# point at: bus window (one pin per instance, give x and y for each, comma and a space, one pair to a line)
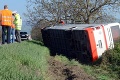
115, 33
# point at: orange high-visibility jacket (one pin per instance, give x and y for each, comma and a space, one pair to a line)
6, 17
13, 25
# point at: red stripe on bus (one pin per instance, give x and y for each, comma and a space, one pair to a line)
105, 37
92, 44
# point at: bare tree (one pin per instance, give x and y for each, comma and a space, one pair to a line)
85, 11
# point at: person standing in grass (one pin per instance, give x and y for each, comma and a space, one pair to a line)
18, 25
6, 22
12, 33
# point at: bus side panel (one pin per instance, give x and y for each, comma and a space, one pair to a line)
112, 32
109, 37
105, 37
92, 44
99, 40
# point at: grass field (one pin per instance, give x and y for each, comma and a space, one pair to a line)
29, 61
23, 61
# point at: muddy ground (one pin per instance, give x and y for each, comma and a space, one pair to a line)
60, 71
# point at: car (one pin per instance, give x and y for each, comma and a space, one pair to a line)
24, 35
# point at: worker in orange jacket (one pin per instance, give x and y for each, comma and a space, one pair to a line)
6, 22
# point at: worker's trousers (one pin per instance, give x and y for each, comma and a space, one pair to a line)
17, 35
5, 34
12, 38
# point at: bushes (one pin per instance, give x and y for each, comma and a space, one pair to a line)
36, 30
111, 60
36, 33
112, 56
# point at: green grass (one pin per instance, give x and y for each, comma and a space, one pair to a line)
65, 60
107, 69
96, 71
28, 61
23, 61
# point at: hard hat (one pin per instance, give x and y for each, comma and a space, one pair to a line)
14, 12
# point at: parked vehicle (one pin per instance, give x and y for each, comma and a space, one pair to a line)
24, 35
84, 41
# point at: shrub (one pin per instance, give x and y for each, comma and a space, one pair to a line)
112, 56
111, 60
36, 33
36, 30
